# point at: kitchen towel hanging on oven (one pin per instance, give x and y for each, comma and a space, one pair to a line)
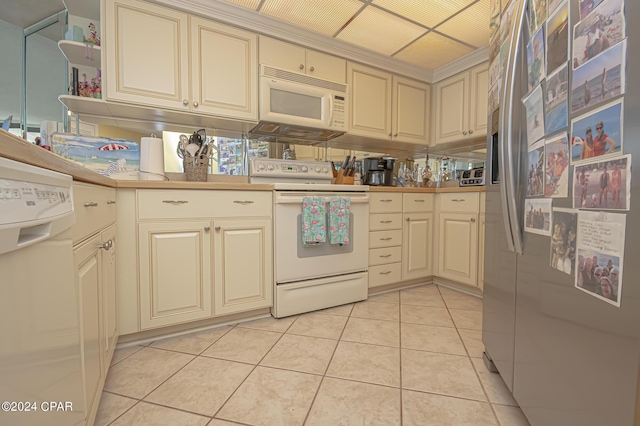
339, 220
314, 221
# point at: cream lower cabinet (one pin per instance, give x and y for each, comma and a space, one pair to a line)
94, 251
458, 247
417, 242
175, 272
243, 265
190, 255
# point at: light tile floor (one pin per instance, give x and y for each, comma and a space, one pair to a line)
409, 357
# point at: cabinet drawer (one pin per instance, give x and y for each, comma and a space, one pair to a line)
417, 203
460, 202
385, 202
382, 256
379, 239
385, 221
94, 207
183, 204
385, 274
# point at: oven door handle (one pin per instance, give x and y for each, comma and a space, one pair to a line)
297, 198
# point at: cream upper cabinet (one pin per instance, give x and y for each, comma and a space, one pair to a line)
386, 106
238, 244
411, 110
175, 272
163, 58
370, 101
290, 57
146, 54
223, 70
461, 106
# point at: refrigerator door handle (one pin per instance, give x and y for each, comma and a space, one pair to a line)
506, 158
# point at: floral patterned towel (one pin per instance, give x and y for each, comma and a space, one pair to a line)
314, 221
339, 220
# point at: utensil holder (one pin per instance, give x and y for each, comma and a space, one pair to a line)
196, 171
341, 179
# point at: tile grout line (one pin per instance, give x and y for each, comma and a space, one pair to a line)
254, 368
495, 416
328, 364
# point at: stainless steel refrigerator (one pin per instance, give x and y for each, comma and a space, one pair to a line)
568, 357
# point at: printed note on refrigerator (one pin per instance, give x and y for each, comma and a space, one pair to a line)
600, 253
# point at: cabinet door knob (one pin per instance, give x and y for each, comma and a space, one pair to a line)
106, 245
301, 66
464, 133
395, 134
408, 219
470, 131
312, 69
207, 228
473, 219
185, 102
217, 228
389, 134
91, 204
195, 104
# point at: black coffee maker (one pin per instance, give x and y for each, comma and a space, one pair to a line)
378, 171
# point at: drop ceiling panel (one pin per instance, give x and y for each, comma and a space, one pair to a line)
323, 16
470, 26
433, 51
380, 31
426, 12
249, 4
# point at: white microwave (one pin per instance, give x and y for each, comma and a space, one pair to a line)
300, 100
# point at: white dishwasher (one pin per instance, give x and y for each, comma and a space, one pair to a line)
40, 364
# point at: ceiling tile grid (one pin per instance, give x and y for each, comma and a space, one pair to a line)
397, 28
433, 51
380, 31
322, 16
470, 26
426, 12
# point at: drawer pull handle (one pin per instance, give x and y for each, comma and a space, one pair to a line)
385, 255
111, 202
91, 204
175, 201
419, 201
386, 221
385, 273
243, 202
386, 239
457, 200
386, 201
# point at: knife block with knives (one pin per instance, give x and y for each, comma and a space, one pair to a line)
345, 176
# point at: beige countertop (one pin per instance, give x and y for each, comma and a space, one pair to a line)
426, 190
17, 149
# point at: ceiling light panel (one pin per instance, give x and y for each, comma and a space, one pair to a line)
249, 4
470, 26
380, 31
425, 12
433, 51
323, 16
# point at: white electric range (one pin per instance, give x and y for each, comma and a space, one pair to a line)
323, 275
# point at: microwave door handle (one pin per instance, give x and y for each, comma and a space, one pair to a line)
330, 110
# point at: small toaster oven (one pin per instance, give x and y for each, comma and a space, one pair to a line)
473, 177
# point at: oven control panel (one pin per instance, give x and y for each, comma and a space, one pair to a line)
292, 169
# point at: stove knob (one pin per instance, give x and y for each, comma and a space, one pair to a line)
318, 169
305, 169
270, 167
325, 169
260, 166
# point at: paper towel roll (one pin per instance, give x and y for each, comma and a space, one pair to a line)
151, 159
